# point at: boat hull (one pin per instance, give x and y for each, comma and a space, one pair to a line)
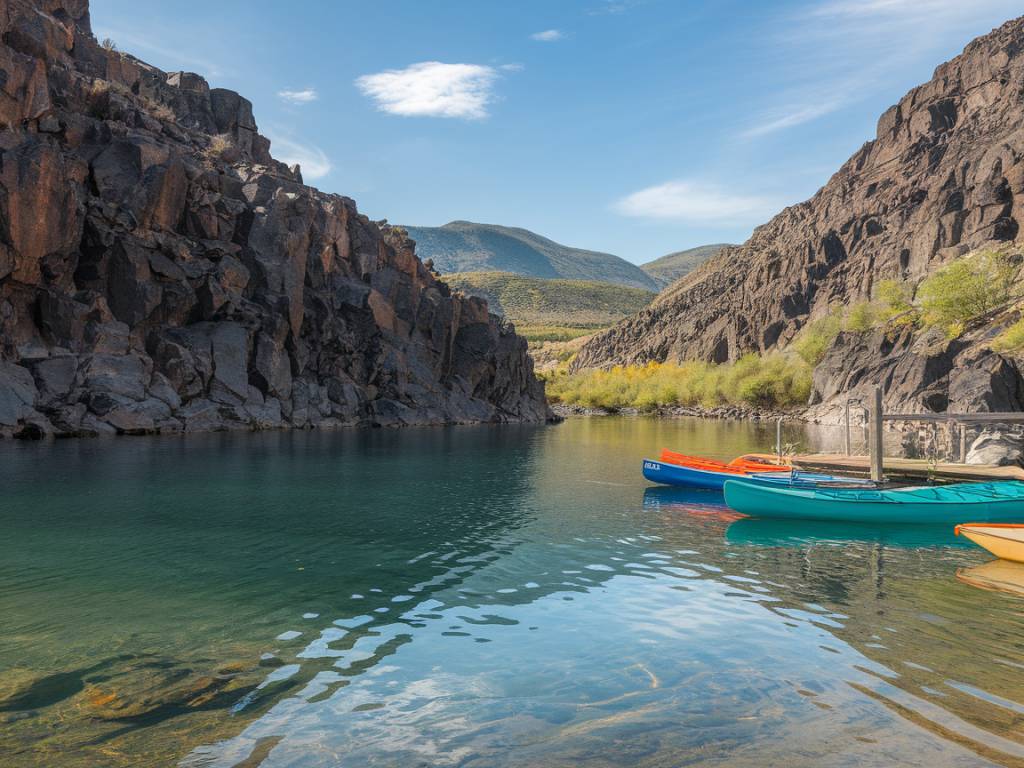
690, 477
1003, 542
918, 506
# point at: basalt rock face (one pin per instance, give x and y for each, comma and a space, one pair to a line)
918, 372
944, 175
160, 271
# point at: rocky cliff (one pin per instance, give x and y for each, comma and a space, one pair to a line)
160, 271
944, 175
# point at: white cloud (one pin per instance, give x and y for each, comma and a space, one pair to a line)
512, 67
314, 162
837, 52
901, 8
304, 96
432, 89
695, 202
547, 36
794, 115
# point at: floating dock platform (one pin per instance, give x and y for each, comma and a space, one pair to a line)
915, 469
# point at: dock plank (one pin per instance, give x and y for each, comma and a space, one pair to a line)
915, 468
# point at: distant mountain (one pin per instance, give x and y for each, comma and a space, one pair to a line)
670, 268
463, 246
544, 308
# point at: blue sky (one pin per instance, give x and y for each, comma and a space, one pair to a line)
637, 127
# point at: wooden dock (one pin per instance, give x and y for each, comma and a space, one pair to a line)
906, 468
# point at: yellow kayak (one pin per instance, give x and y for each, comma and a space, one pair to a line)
1005, 541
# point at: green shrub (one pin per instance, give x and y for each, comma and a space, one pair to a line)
816, 338
964, 290
895, 297
770, 381
861, 317
1010, 340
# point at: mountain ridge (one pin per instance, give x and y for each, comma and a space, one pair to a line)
672, 266
465, 246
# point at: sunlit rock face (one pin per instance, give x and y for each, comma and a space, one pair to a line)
161, 272
944, 175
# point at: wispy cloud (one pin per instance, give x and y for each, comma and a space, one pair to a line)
695, 202
432, 89
788, 117
161, 54
615, 6
513, 67
304, 96
547, 36
839, 51
314, 162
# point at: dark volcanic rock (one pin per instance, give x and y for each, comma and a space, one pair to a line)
918, 372
160, 271
944, 175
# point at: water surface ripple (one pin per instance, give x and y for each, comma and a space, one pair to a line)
477, 597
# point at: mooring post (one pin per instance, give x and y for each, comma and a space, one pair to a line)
963, 443
778, 438
849, 441
875, 446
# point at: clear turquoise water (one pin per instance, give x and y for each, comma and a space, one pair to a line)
494, 596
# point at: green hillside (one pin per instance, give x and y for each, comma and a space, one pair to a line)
463, 246
670, 268
550, 309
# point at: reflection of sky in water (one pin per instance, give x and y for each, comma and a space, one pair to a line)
658, 656
486, 597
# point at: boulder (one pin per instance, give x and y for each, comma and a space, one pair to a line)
17, 394
995, 447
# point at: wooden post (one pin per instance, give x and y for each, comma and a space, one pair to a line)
875, 446
963, 443
778, 439
848, 444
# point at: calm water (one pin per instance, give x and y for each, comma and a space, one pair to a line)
475, 597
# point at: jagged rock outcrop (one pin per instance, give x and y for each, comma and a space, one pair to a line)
945, 174
918, 372
160, 271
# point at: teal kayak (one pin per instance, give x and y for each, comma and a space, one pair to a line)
947, 504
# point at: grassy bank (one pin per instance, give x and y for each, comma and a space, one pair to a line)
552, 309
772, 381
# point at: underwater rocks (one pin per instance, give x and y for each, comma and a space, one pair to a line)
161, 272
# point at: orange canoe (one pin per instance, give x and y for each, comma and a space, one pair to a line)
743, 465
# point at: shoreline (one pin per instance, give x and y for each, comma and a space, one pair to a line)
720, 412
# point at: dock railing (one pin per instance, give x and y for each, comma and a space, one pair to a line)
875, 418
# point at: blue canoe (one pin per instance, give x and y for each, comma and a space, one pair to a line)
949, 504
691, 477
664, 473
